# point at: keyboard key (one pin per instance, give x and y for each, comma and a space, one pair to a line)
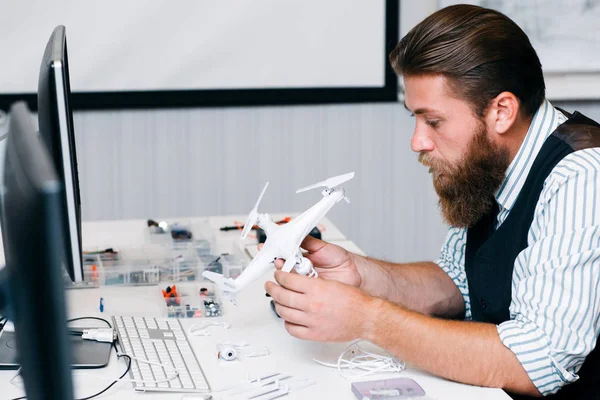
175, 383
174, 325
187, 383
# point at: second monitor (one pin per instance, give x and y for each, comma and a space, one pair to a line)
56, 129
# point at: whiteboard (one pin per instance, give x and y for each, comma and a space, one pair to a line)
187, 45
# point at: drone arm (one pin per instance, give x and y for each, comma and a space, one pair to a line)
311, 217
266, 223
289, 264
254, 215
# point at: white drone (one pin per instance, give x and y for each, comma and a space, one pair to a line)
283, 241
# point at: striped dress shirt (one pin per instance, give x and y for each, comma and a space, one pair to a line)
555, 305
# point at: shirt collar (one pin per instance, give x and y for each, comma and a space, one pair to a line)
545, 120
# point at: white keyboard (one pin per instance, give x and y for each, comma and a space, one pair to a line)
160, 340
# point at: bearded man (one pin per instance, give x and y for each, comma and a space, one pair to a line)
514, 299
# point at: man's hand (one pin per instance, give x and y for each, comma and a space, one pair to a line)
468, 352
330, 261
319, 309
423, 287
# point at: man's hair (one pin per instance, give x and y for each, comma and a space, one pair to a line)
481, 53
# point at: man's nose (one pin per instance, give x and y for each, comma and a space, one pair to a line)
421, 141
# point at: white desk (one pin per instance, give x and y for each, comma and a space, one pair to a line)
253, 322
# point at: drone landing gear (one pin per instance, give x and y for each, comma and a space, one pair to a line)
305, 267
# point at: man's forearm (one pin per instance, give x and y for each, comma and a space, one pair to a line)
467, 352
422, 286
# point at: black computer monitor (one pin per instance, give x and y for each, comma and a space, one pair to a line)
33, 215
56, 128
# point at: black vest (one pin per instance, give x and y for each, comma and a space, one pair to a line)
490, 255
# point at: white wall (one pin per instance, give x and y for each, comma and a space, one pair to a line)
169, 163
414, 11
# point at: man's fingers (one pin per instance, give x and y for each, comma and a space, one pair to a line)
312, 244
295, 282
291, 314
260, 245
299, 331
279, 263
284, 296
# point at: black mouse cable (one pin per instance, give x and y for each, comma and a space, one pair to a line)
114, 346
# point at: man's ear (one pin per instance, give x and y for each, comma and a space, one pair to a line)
502, 112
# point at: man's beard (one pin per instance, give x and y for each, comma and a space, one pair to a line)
467, 190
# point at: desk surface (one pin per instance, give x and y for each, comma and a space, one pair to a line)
252, 321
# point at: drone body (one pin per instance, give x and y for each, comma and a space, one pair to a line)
283, 241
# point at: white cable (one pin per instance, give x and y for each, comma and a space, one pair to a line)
200, 329
106, 378
119, 354
368, 362
167, 379
363, 363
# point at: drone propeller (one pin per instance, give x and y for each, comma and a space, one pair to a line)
253, 216
329, 183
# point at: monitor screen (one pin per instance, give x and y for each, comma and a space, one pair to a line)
56, 129
34, 247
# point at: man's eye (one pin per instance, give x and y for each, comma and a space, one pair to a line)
432, 123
